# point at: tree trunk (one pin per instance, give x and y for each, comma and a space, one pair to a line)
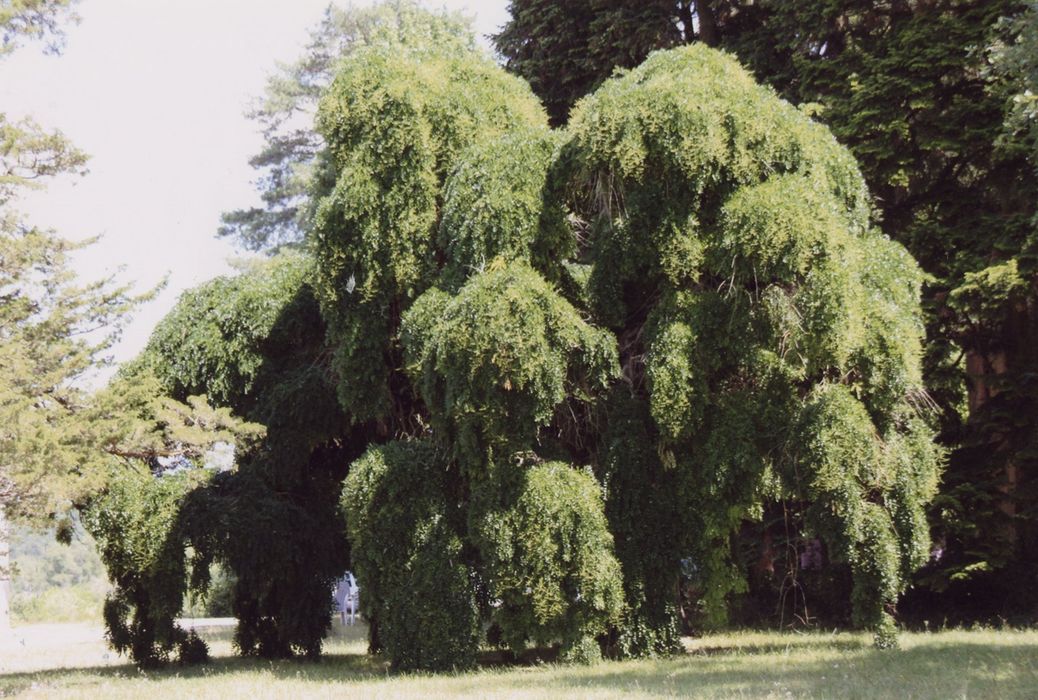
707, 23
987, 373
983, 371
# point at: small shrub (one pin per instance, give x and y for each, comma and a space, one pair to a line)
192, 649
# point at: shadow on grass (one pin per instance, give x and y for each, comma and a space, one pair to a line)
330, 667
844, 669
814, 666
799, 644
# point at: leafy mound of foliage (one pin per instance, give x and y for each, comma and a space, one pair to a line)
135, 522
768, 342
488, 364
494, 361
548, 556
775, 338
948, 149
543, 372
256, 343
394, 125
407, 548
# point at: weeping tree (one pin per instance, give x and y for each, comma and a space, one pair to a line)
678, 302
773, 337
947, 149
396, 127
253, 344
542, 371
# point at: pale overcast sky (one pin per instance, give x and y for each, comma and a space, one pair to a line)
155, 91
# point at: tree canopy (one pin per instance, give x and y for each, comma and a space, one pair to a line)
285, 111
55, 334
932, 100
39, 20
255, 342
756, 311
514, 357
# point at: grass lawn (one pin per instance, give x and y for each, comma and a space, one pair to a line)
951, 664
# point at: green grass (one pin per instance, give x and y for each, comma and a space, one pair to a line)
951, 664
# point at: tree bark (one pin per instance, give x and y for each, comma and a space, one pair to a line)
986, 378
707, 23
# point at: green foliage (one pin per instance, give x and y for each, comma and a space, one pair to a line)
28, 153
291, 144
41, 562
34, 20
214, 340
548, 557
406, 531
945, 149
701, 144
764, 285
134, 523
256, 342
565, 50
52, 581
948, 149
495, 361
1014, 60
725, 243
986, 298
456, 172
839, 449
392, 145
47, 457
395, 127
218, 599
496, 205
645, 518
59, 442
79, 603
985, 512
134, 421
281, 540
681, 291
908, 134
